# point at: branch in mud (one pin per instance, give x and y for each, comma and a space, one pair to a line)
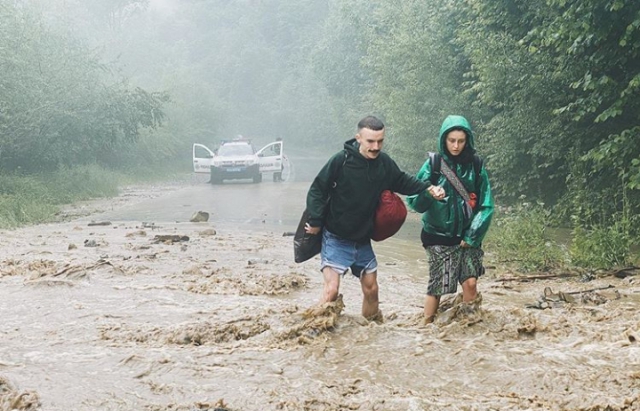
618, 273
526, 278
75, 268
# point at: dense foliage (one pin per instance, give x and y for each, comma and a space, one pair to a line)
60, 105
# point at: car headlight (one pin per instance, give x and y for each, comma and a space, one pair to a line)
251, 161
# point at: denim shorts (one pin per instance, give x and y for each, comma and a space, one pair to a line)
341, 254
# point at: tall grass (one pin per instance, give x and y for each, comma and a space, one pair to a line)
520, 238
36, 199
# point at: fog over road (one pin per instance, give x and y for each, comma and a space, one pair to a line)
241, 204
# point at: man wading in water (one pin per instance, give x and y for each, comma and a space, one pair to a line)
342, 202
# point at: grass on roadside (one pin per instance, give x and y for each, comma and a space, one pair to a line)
520, 238
35, 199
524, 238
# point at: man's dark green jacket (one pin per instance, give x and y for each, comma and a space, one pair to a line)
345, 193
446, 218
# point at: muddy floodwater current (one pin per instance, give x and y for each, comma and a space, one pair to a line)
127, 305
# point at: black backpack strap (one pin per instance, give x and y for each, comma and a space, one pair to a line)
436, 160
477, 167
339, 170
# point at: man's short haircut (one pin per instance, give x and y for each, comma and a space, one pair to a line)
372, 123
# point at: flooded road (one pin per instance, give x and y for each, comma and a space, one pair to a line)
153, 312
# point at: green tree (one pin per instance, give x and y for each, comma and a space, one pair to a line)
59, 104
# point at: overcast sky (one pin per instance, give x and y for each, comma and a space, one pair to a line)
164, 5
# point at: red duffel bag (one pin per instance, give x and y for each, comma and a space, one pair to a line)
390, 215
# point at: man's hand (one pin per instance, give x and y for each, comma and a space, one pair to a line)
437, 192
464, 244
311, 230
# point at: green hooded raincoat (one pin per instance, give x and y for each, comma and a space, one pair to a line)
446, 217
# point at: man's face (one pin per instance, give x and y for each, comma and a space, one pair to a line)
370, 142
456, 140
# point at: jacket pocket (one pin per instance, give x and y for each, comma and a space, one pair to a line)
439, 219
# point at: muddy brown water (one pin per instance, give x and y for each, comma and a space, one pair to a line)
225, 320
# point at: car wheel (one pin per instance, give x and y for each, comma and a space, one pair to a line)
277, 177
257, 178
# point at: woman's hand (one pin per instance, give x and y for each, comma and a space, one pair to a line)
437, 192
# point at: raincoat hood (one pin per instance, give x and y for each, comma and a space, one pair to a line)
450, 123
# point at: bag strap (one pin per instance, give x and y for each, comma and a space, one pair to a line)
436, 160
477, 166
337, 173
455, 181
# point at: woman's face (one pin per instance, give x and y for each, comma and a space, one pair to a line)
456, 140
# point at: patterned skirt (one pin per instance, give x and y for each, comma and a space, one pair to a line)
452, 265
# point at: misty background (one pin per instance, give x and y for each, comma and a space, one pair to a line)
551, 87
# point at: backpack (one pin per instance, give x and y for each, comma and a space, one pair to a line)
436, 160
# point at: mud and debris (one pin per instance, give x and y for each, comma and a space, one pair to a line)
11, 399
225, 320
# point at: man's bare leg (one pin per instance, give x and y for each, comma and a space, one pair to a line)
469, 289
331, 285
369, 284
431, 304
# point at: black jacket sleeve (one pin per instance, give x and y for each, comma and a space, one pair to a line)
406, 184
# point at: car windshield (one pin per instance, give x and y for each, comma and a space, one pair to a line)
235, 150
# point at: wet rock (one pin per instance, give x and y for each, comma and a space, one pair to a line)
549, 299
207, 232
199, 217
140, 233
170, 239
288, 234
97, 223
90, 243
255, 261
591, 297
586, 277
72, 246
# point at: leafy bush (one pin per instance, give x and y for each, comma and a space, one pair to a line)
520, 237
601, 246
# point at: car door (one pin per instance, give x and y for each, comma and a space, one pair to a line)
202, 158
270, 157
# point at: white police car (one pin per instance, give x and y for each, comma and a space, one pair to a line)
237, 159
